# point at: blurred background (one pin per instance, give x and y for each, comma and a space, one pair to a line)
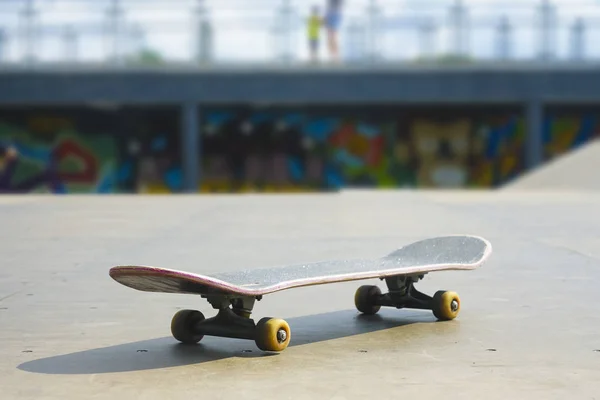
157, 96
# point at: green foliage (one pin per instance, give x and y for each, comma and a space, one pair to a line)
446, 59
146, 57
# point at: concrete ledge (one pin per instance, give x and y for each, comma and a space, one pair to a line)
410, 86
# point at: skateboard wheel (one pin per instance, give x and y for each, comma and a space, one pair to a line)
446, 305
272, 334
182, 326
365, 299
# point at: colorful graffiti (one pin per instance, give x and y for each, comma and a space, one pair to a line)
81, 151
138, 150
65, 163
359, 153
149, 164
289, 151
563, 133
464, 151
501, 154
354, 150
316, 149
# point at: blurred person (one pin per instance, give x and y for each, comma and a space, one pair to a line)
333, 17
314, 31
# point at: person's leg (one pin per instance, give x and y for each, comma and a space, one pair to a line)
328, 27
334, 44
333, 21
314, 48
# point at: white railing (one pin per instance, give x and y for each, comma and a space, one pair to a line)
126, 32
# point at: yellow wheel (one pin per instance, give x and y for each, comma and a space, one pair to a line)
272, 334
182, 326
446, 305
365, 297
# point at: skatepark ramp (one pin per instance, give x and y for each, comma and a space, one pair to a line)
576, 170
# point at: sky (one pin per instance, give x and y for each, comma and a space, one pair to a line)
244, 28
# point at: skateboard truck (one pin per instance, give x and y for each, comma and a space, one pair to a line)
233, 321
402, 293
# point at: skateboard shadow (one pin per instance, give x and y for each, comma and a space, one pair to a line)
166, 352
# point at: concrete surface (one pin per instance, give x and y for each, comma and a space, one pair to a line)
574, 170
528, 328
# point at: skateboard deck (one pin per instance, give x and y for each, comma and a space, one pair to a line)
434, 254
233, 294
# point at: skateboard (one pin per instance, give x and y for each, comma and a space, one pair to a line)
233, 294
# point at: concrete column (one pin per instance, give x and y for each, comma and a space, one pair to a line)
190, 146
534, 140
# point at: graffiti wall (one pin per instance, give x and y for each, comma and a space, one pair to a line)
280, 150
567, 127
46, 152
461, 147
113, 149
85, 150
319, 149
150, 155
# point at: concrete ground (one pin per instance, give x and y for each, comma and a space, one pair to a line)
528, 328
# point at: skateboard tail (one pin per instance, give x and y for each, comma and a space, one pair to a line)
161, 280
